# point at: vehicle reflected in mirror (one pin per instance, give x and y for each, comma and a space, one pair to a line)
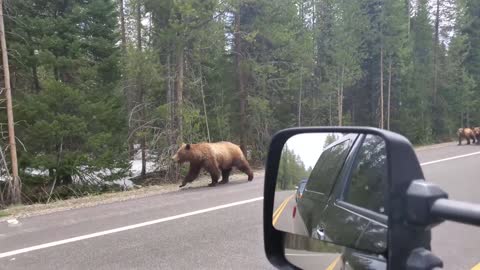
330, 198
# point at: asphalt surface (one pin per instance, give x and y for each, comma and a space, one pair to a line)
220, 236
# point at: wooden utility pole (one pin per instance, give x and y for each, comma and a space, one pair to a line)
15, 186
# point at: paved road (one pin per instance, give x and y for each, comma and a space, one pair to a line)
220, 236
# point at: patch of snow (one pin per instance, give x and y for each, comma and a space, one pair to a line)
13, 222
98, 176
36, 172
125, 182
136, 167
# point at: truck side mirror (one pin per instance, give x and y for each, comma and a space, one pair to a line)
344, 166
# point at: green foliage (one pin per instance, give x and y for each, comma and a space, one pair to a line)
66, 74
290, 170
79, 95
63, 131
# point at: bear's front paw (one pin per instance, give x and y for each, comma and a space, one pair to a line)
182, 185
212, 184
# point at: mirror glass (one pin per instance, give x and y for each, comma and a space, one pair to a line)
330, 198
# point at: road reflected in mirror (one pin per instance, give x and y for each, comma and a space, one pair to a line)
307, 253
331, 189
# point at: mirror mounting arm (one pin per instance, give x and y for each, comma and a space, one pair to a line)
428, 205
463, 212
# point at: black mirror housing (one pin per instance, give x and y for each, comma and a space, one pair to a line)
403, 168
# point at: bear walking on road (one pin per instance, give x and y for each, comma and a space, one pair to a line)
465, 133
216, 158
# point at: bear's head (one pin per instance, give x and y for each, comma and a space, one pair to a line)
183, 153
476, 131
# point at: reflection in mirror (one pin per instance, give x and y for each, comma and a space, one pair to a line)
307, 253
332, 187
320, 254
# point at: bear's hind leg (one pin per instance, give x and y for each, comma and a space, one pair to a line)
215, 176
245, 167
225, 175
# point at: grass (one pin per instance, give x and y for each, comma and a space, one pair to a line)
4, 213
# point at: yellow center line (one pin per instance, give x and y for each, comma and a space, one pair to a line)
280, 209
476, 267
333, 264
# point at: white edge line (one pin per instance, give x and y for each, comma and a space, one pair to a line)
450, 158
125, 228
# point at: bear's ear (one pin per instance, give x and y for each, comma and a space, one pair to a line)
187, 146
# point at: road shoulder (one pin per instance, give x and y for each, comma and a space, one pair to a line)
23, 211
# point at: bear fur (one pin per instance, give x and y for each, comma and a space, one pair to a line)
476, 133
216, 158
465, 133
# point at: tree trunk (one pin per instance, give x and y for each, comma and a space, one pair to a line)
407, 2
36, 82
173, 170
179, 93
330, 122
240, 81
435, 55
468, 119
127, 91
389, 94
203, 102
340, 97
141, 93
434, 109
139, 26
300, 98
171, 102
14, 191
339, 106
122, 26
382, 121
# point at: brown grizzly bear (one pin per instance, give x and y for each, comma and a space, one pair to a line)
476, 133
216, 158
465, 133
